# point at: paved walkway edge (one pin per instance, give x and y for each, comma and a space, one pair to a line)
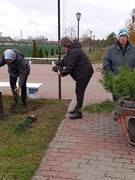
48, 151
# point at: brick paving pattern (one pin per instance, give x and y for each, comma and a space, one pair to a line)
92, 148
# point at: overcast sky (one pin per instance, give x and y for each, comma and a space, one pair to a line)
23, 18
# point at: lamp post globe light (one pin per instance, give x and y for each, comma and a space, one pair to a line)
78, 17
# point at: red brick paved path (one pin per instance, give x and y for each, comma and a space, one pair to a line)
93, 148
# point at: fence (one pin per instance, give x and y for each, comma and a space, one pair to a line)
26, 47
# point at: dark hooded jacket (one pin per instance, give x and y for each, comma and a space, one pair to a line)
76, 63
116, 56
18, 68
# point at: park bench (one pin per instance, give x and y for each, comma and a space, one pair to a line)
31, 59
33, 88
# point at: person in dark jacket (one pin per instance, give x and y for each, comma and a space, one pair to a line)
18, 67
120, 52
76, 64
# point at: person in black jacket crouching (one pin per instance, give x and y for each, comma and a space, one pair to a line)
18, 66
77, 64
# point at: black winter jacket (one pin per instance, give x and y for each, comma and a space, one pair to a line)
18, 68
76, 63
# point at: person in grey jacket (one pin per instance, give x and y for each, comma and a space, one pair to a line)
76, 64
18, 67
121, 52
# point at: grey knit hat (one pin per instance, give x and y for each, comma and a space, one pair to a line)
9, 54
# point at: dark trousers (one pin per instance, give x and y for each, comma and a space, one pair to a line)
13, 81
81, 85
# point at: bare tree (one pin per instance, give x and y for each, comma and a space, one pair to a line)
85, 41
130, 25
71, 31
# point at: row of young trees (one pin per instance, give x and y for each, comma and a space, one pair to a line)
42, 53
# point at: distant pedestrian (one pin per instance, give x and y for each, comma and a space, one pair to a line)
77, 64
119, 53
18, 67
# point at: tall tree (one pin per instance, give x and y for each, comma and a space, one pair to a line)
34, 49
46, 53
40, 53
130, 25
111, 39
57, 51
52, 51
71, 31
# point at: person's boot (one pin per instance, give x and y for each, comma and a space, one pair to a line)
76, 115
72, 111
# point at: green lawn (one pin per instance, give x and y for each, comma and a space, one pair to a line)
22, 146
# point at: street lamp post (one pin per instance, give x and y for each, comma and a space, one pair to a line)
93, 42
90, 41
59, 54
78, 17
